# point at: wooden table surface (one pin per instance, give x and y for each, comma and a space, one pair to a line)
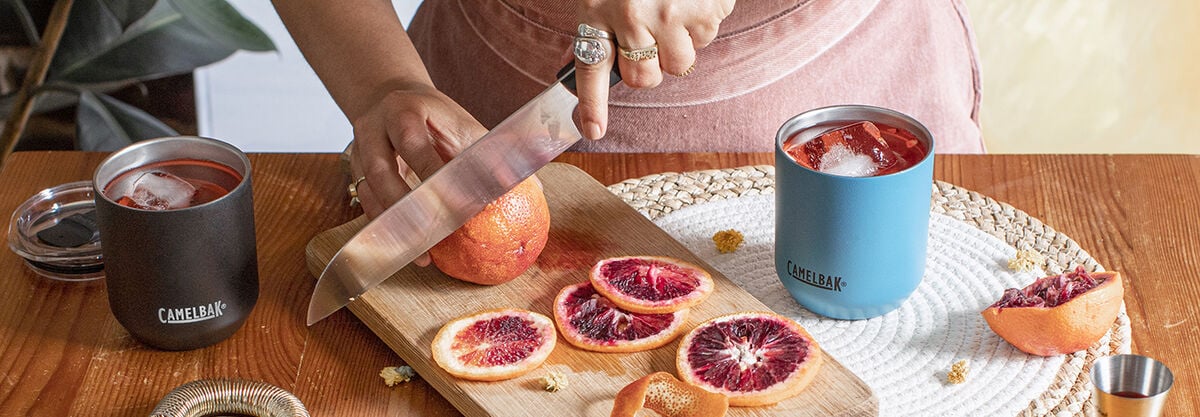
62, 352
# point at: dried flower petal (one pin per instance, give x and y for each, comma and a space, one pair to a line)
958, 372
1026, 260
554, 381
393, 375
728, 241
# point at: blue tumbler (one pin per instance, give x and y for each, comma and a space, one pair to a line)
850, 247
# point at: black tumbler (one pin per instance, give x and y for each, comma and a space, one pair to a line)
176, 220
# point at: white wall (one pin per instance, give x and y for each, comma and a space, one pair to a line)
1090, 76
272, 102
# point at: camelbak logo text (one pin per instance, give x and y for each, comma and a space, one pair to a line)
822, 281
192, 314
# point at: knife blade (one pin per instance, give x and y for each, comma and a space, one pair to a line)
512, 151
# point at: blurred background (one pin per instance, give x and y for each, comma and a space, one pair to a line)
1063, 76
1089, 76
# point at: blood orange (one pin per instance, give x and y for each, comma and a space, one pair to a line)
494, 345
501, 242
1058, 314
651, 284
668, 396
753, 358
589, 321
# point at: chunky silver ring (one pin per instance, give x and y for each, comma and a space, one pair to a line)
589, 31
354, 191
591, 51
640, 54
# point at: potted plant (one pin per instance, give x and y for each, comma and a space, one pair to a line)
108, 45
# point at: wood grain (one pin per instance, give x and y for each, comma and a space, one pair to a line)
62, 353
1138, 214
588, 224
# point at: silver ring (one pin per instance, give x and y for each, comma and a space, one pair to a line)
589, 31
591, 51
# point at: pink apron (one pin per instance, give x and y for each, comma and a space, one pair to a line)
772, 60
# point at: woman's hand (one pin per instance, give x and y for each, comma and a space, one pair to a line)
411, 130
676, 28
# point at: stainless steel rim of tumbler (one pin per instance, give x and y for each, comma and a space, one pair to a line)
166, 149
850, 113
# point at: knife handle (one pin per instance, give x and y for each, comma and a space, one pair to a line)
566, 76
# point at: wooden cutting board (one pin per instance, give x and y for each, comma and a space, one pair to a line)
588, 223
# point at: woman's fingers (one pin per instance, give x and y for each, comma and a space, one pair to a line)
415, 147
656, 36
373, 158
591, 83
706, 24
373, 207
405, 137
676, 52
652, 37
639, 58
368, 200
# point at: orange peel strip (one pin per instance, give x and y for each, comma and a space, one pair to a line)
670, 397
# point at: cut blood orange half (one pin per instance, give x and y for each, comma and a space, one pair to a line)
1058, 314
753, 358
651, 284
501, 242
494, 345
589, 321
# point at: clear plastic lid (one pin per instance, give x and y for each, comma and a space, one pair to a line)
55, 231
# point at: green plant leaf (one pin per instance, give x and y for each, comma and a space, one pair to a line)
56, 96
224, 24
24, 19
128, 11
159, 44
90, 28
104, 123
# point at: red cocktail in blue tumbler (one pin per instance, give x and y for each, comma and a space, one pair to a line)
852, 190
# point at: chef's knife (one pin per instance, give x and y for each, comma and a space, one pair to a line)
512, 151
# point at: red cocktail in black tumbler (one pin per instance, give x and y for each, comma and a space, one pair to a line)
176, 222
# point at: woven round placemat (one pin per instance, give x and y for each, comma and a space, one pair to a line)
1069, 395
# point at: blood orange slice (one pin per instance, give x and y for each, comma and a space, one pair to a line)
753, 358
1058, 314
589, 321
651, 284
494, 345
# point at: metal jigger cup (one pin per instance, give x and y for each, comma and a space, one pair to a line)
1130, 374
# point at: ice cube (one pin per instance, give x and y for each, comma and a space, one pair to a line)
841, 160
157, 190
884, 146
862, 138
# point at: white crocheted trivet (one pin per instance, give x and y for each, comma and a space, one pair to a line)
904, 355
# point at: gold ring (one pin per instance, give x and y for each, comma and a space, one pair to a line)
353, 189
686, 72
640, 54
